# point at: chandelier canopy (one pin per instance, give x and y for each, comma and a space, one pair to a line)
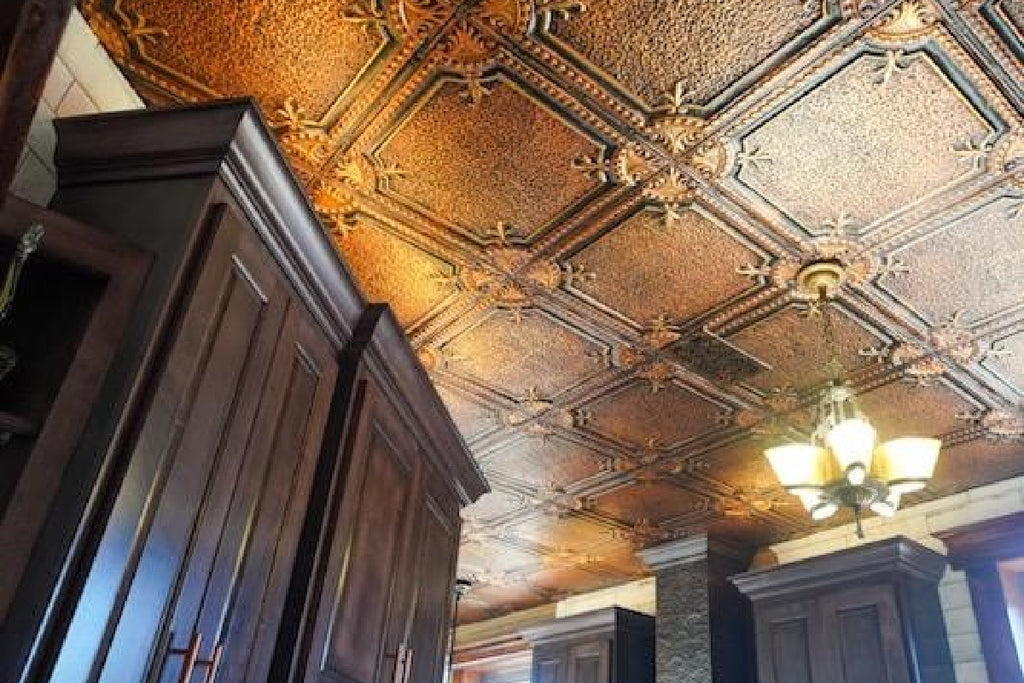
841, 464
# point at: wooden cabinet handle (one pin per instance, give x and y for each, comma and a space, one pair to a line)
191, 659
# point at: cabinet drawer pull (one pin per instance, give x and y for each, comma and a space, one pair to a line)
190, 660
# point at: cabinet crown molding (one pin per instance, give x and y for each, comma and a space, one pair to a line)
894, 557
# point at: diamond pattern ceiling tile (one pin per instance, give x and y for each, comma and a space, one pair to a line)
655, 502
413, 290
1009, 364
647, 267
978, 258
545, 461
1014, 10
495, 154
493, 557
867, 142
740, 466
472, 417
564, 580
507, 158
793, 346
640, 43
977, 463
635, 414
492, 505
268, 49
563, 534
906, 409
524, 352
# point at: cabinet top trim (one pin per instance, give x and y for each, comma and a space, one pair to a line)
894, 557
227, 139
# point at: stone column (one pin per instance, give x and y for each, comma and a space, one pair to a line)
704, 626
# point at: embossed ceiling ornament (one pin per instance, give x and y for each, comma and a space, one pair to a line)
589, 217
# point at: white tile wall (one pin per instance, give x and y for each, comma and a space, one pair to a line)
919, 523
83, 80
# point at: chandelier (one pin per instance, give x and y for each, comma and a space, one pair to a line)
840, 465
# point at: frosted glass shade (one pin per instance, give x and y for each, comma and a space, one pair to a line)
852, 441
797, 465
908, 463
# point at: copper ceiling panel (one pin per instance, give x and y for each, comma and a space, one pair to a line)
589, 216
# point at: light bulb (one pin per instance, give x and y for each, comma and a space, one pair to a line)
852, 441
856, 475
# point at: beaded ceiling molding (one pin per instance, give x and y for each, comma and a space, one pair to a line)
588, 217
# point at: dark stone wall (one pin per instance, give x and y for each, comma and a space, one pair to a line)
683, 627
704, 625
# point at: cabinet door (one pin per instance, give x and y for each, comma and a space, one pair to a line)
548, 666
433, 570
357, 608
787, 641
192, 440
864, 640
589, 663
233, 588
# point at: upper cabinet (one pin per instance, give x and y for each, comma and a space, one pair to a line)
278, 494
862, 615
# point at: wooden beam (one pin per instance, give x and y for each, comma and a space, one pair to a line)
30, 31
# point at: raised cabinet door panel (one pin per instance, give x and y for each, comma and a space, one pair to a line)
866, 645
193, 437
357, 609
548, 668
786, 643
589, 663
234, 600
433, 568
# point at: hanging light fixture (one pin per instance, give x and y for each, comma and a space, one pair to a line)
841, 465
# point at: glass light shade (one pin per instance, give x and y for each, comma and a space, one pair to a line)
852, 441
797, 465
908, 463
824, 511
809, 499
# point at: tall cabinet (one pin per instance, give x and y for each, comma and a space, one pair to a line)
279, 499
612, 645
861, 615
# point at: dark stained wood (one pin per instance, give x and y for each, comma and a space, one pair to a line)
271, 441
856, 616
30, 31
437, 536
613, 645
786, 635
69, 322
976, 549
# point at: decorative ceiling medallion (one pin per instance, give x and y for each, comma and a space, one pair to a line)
910, 20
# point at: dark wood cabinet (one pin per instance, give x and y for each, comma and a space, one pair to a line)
386, 583
863, 615
280, 501
612, 645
